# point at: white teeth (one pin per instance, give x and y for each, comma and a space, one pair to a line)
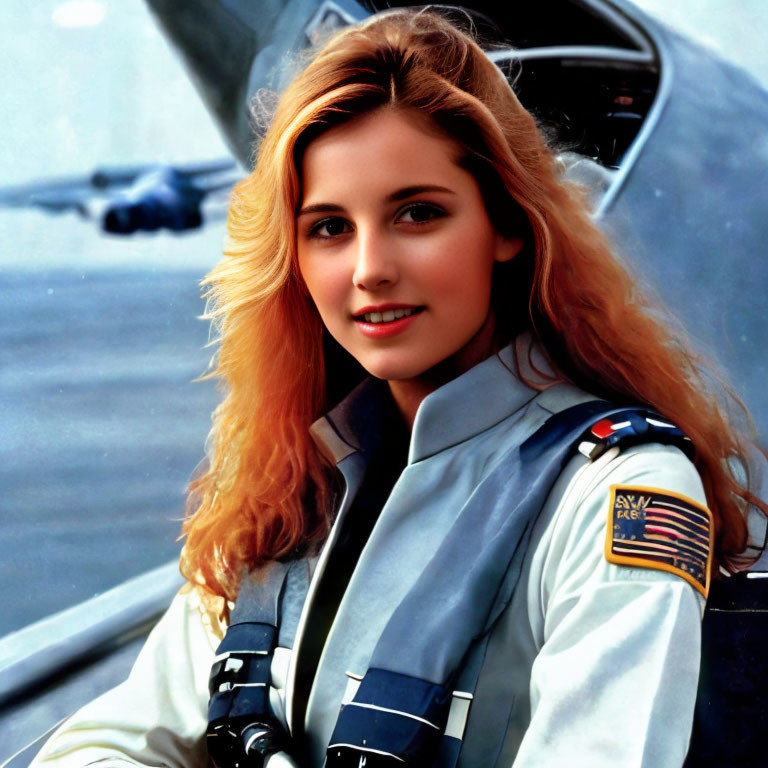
388, 316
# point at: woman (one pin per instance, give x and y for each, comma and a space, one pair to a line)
406, 214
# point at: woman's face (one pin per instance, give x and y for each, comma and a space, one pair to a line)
396, 247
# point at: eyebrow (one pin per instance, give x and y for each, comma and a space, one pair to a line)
400, 194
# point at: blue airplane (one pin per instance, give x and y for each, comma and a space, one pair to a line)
125, 200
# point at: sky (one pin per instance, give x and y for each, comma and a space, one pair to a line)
735, 29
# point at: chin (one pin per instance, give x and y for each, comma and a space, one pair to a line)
394, 367
401, 369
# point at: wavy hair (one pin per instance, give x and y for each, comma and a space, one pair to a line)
267, 492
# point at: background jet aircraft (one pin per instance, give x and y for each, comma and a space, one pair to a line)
131, 199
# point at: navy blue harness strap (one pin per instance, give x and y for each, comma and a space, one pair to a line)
456, 599
241, 723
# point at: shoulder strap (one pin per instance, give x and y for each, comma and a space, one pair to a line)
241, 724
632, 426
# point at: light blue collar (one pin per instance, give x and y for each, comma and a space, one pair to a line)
468, 405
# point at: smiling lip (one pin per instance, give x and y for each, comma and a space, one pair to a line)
383, 330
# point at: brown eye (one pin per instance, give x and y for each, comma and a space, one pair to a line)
421, 214
332, 227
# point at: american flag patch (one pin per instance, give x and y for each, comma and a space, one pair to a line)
656, 528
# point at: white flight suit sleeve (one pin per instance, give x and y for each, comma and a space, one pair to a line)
158, 716
614, 681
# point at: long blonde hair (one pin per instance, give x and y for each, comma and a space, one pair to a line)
267, 491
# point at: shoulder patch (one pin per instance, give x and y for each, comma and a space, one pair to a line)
657, 528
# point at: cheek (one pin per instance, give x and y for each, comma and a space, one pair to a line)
471, 299
458, 274
324, 285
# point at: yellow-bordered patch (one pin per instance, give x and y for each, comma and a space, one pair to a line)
661, 529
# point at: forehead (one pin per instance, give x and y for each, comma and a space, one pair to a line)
384, 148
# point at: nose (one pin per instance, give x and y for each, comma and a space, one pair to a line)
375, 262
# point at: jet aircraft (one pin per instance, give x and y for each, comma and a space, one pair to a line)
130, 199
